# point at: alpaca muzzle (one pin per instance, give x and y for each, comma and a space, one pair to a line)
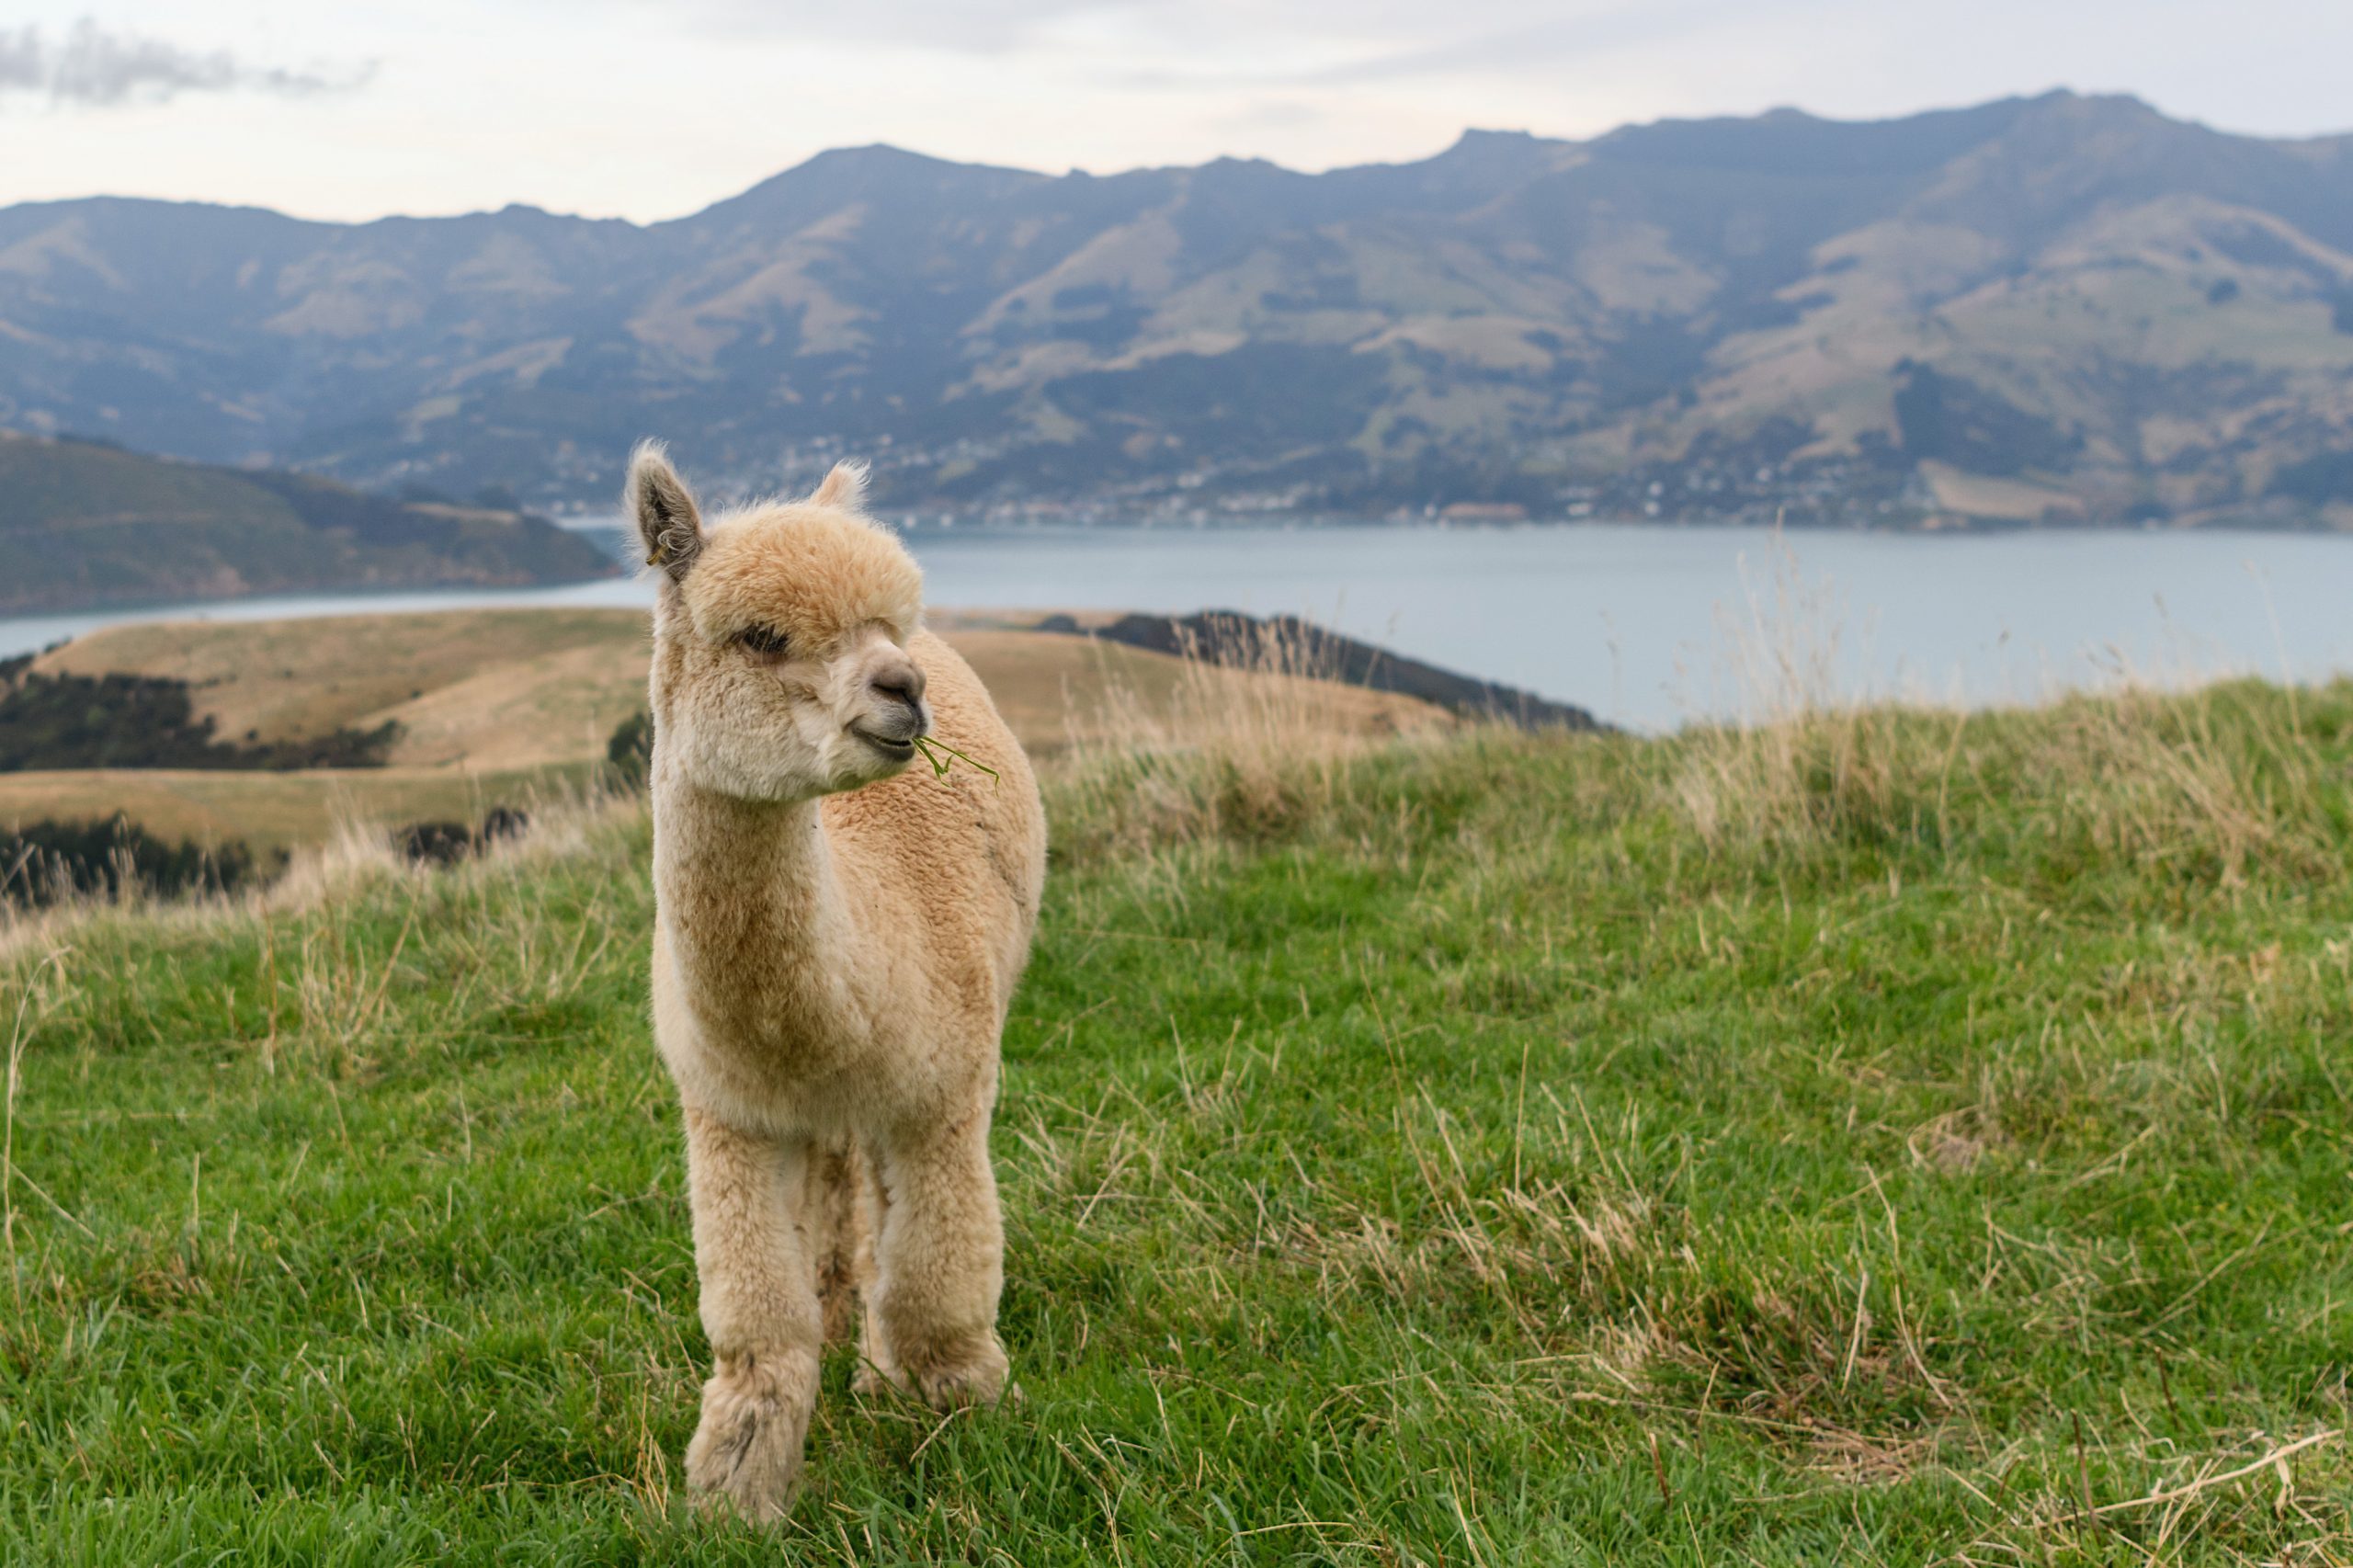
899, 714
896, 726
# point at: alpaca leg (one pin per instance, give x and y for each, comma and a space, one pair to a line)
759, 1308
940, 1265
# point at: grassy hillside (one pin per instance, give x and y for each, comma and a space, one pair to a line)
532, 686
277, 811
492, 705
92, 524
1883, 1137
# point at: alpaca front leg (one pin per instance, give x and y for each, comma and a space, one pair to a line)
940, 1266
759, 1309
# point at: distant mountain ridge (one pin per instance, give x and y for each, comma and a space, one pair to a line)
2038, 310
85, 523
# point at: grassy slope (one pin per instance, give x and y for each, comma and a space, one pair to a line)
278, 811
493, 703
293, 679
1881, 1139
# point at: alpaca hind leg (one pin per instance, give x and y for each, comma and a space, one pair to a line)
759, 1308
940, 1268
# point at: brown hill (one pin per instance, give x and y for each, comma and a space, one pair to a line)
494, 706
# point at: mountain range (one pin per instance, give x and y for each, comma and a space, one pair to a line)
2057, 309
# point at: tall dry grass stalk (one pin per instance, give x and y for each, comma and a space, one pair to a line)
1800, 755
2185, 765
561, 811
565, 817
1255, 738
2220, 781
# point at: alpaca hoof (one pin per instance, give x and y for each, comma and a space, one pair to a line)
943, 1383
748, 1448
978, 1379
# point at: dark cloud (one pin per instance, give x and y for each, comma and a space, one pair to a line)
92, 64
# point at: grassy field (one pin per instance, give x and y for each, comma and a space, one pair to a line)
498, 706
1880, 1137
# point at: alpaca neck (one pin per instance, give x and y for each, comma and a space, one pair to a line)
752, 905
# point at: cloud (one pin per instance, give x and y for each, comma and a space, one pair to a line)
1599, 32
984, 27
96, 65
21, 64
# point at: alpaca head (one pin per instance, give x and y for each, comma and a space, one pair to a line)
780, 669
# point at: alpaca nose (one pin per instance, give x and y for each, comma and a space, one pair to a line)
902, 681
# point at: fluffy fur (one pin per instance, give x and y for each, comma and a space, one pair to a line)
836, 946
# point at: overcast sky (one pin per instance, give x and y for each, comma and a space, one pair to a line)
647, 109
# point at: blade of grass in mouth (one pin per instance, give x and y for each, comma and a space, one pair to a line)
941, 756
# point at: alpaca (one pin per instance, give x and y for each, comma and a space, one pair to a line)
836, 944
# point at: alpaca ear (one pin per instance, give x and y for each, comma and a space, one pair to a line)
844, 487
667, 520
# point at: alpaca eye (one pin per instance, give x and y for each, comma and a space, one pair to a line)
765, 640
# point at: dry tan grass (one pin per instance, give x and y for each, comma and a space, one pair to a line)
1225, 751
347, 855
2160, 767
268, 810
1063, 694
491, 702
2133, 774
296, 680
537, 711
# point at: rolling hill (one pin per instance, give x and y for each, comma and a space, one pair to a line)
500, 706
2060, 309
88, 523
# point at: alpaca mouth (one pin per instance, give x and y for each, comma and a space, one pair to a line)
900, 750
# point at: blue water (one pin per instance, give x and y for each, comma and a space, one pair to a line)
1646, 626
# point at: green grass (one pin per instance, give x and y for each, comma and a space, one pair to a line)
1885, 1139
